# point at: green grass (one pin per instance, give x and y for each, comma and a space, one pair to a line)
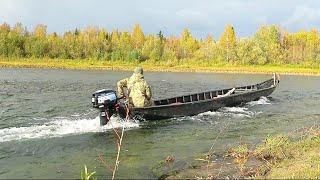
168, 66
86, 175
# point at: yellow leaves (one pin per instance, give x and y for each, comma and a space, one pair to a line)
40, 31
228, 38
138, 37
188, 44
269, 45
5, 27
227, 43
125, 41
208, 49
115, 38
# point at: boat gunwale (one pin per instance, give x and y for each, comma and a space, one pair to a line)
212, 99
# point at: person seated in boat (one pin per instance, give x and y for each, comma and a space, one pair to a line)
138, 91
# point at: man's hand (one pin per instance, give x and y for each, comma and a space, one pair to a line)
122, 97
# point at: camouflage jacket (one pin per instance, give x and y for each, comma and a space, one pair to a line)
138, 90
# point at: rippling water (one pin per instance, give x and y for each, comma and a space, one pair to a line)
48, 128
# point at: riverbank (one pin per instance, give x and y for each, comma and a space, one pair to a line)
190, 66
292, 156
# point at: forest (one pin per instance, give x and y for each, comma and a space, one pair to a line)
269, 45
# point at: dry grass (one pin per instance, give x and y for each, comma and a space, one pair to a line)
297, 159
292, 156
295, 155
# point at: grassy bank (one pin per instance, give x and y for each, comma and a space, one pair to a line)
286, 158
189, 66
292, 156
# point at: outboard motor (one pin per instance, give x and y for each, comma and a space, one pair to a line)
105, 100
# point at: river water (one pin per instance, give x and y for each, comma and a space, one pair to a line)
48, 128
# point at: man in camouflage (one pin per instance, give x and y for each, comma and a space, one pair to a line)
139, 91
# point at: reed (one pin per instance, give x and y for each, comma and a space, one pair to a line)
86, 175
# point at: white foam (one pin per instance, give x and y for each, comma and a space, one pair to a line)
262, 100
236, 110
210, 113
233, 112
62, 127
239, 112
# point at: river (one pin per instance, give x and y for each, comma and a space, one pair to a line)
48, 128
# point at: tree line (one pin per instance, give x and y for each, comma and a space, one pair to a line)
269, 45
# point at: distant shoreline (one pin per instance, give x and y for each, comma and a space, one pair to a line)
152, 67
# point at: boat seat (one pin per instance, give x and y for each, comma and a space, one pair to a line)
227, 94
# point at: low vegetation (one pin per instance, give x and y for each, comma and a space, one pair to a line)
86, 175
150, 66
292, 156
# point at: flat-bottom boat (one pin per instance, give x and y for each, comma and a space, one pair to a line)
187, 105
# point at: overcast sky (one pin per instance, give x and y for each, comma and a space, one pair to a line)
202, 17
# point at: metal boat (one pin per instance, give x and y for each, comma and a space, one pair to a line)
186, 105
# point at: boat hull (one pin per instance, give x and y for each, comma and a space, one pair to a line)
194, 108
207, 101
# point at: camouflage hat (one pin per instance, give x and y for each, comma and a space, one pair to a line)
138, 70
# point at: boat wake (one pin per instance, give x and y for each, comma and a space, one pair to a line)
235, 112
62, 127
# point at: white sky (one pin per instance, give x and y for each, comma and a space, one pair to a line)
202, 17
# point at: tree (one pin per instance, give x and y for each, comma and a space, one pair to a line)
267, 44
172, 49
76, 32
4, 31
55, 46
160, 44
245, 52
15, 41
227, 43
208, 49
40, 31
188, 44
18, 28
312, 45
148, 48
138, 37
153, 47
5, 27
36, 43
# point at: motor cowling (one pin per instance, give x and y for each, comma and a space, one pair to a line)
104, 98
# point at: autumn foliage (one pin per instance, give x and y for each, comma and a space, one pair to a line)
269, 45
